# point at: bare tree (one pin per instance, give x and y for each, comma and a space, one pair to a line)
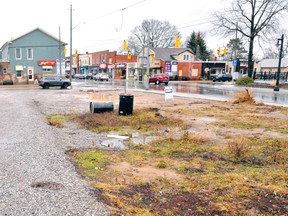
162, 34
253, 19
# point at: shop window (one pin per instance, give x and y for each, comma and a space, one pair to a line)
48, 70
4, 71
19, 73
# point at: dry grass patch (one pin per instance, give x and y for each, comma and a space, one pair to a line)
142, 120
192, 168
58, 120
191, 174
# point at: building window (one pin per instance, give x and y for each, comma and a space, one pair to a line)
103, 58
18, 53
19, 73
4, 71
29, 53
186, 57
47, 69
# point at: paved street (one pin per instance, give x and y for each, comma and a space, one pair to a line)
221, 91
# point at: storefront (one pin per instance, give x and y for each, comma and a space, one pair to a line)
47, 66
103, 68
120, 71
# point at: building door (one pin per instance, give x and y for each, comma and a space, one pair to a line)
30, 74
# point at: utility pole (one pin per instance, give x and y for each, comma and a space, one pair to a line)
71, 45
60, 61
236, 54
148, 60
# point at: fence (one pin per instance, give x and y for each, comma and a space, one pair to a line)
270, 76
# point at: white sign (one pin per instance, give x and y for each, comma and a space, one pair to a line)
62, 67
168, 93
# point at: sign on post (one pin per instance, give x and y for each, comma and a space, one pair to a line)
168, 93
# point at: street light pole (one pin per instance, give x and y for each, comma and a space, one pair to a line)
276, 88
71, 45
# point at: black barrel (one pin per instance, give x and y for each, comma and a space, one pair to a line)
126, 104
100, 107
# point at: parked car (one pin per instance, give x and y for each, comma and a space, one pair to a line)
101, 77
82, 76
76, 76
67, 75
223, 77
159, 78
51, 81
89, 76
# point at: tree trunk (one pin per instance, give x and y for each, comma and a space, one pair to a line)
250, 57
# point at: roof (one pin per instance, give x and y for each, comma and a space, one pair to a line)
36, 29
273, 63
168, 53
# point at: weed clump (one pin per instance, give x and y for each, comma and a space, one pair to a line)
58, 120
244, 97
277, 151
238, 149
161, 165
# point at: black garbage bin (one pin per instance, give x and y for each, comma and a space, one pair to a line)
100, 107
126, 104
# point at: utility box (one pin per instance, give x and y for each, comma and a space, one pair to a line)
126, 105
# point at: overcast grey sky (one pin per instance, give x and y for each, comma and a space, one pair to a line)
108, 23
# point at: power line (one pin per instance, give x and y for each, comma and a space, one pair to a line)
116, 11
207, 18
196, 23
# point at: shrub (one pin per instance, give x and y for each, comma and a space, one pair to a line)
245, 81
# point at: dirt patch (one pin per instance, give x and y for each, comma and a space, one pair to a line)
147, 173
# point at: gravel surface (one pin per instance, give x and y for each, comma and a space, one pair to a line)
36, 176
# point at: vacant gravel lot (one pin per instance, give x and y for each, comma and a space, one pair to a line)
36, 177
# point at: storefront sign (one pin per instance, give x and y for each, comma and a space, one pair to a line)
121, 66
47, 62
19, 67
111, 66
167, 67
102, 66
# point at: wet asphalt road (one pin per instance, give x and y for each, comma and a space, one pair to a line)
222, 91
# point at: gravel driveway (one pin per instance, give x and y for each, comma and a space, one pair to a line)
36, 176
